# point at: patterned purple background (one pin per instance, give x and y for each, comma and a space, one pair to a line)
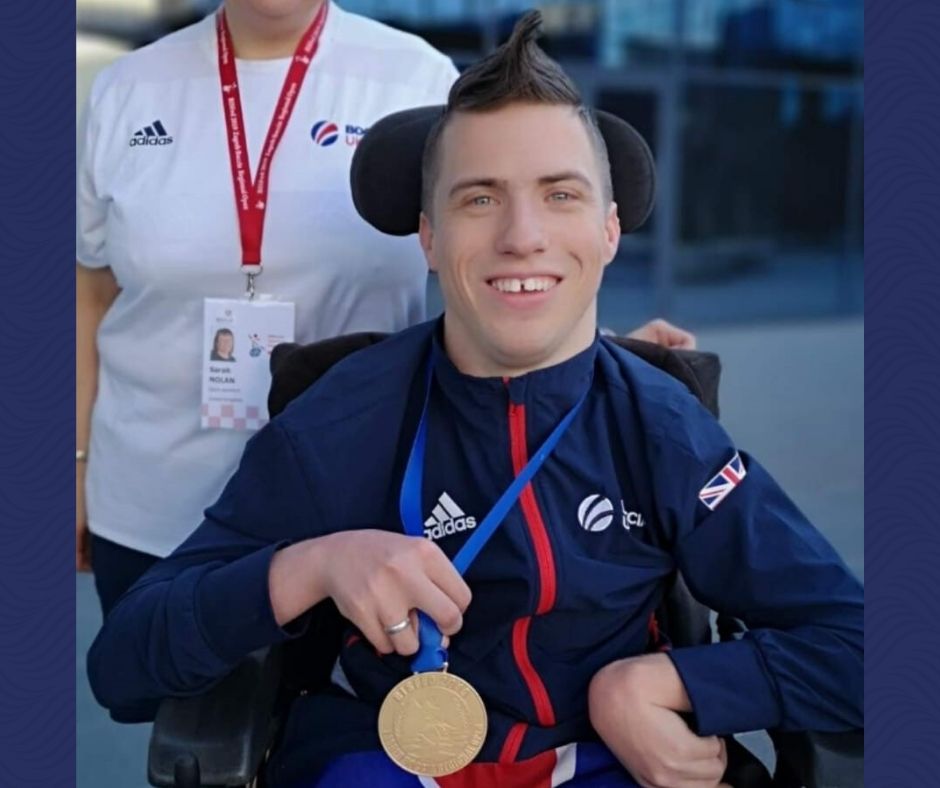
902, 213
902, 361
37, 220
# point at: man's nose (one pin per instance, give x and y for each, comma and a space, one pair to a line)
523, 230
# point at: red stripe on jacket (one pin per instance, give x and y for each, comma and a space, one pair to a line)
547, 589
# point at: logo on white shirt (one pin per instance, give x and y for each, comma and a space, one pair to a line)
325, 132
447, 518
154, 134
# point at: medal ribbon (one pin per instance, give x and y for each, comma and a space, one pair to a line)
431, 655
251, 195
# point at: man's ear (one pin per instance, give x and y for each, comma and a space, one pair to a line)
426, 237
611, 232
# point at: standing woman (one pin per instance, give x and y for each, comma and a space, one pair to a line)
176, 222
219, 151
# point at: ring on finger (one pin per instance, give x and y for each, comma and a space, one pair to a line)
401, 626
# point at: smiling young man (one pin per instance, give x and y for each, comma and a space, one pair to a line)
549, 624
519, 234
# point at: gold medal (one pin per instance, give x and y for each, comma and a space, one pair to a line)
432, 724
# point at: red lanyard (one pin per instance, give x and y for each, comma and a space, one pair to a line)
251, 195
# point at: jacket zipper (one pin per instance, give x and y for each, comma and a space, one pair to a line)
547, 589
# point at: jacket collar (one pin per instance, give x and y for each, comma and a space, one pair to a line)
559, 385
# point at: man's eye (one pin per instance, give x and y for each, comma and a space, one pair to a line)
561, 196
481, 199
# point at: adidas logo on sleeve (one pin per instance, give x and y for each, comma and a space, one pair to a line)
447, 518
154, 134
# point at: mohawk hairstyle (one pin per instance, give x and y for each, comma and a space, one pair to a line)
518, 71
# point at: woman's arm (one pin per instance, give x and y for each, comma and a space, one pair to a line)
95, 291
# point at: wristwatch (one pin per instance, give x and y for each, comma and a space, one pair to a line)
81, 455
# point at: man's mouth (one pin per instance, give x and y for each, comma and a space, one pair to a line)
529, 284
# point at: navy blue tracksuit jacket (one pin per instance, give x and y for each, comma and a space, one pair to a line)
565, 586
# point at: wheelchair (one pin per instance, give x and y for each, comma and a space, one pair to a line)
222, 737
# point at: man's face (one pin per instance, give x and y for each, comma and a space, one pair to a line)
520, 236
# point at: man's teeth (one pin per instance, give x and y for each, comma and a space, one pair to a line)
531, 284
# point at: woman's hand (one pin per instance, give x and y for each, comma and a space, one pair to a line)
662, 332
82, 534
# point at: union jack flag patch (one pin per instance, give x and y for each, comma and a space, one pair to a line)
723, 483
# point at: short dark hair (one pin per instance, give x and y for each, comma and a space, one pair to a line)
517, 71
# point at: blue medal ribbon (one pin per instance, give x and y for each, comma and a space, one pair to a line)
431, 654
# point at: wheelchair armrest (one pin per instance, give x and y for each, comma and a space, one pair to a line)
820, 760
220, 737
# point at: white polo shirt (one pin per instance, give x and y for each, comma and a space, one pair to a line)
163, 217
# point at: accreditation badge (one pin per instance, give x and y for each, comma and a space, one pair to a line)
238, 337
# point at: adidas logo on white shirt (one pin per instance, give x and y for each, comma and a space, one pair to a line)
447, 518
154, 134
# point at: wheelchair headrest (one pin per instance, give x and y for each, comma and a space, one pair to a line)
386, 170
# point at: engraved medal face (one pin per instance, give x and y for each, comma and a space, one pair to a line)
432, 724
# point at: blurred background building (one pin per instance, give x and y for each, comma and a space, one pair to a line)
753, 109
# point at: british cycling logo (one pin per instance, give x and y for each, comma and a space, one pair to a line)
325, 132
595, 513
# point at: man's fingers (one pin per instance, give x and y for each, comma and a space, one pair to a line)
445, 641
392, 614
438, 605
699, 758
703, 774
710, 750
374, 632
373, 621
706, 748
441, 572
677, 780
710, 782
405, 641
686, 769
398, 609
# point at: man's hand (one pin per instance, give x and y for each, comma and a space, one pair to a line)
634, 706
376, 578
661, 332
